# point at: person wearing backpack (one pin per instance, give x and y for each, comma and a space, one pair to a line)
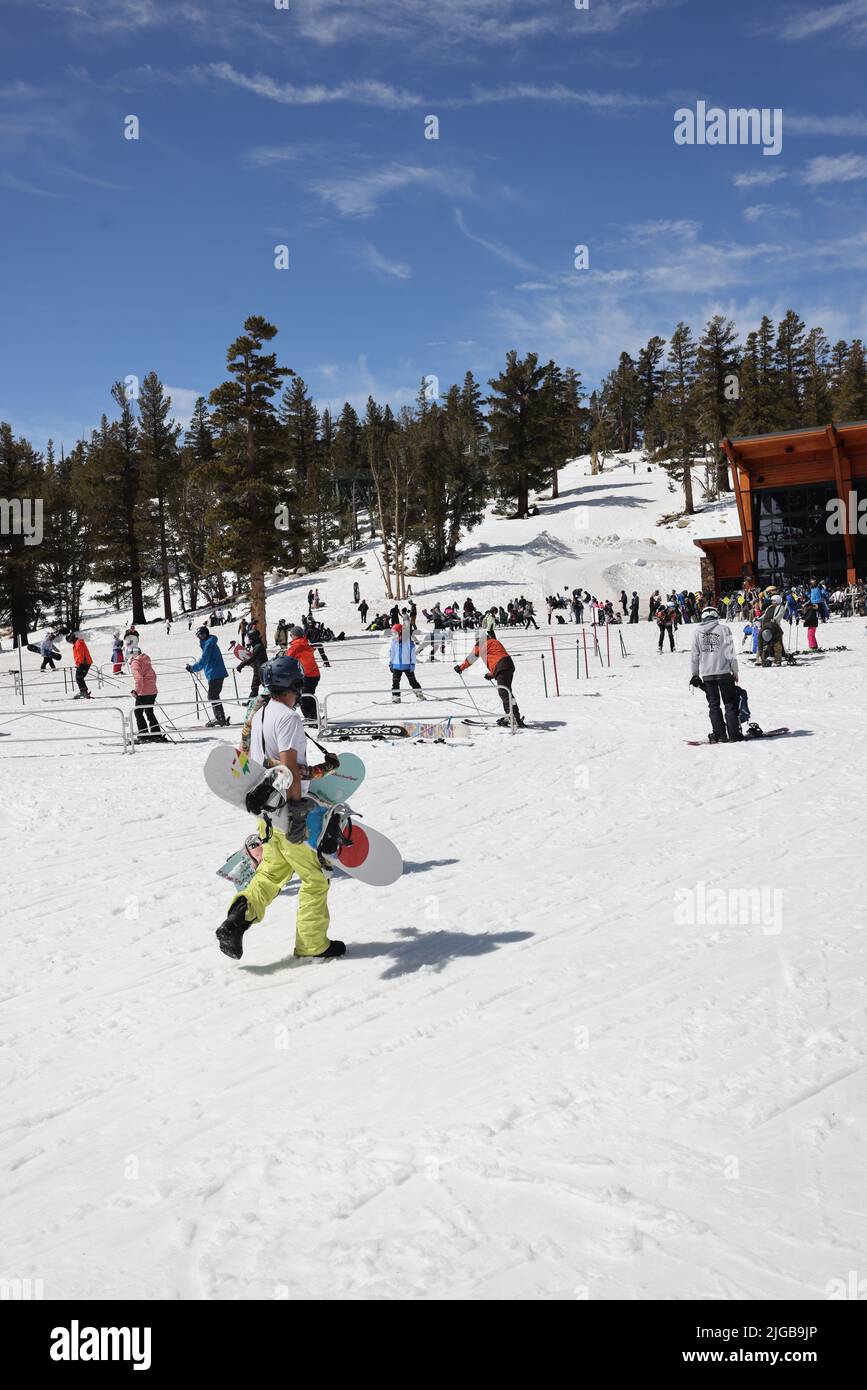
82, 661
715, 671
666, 617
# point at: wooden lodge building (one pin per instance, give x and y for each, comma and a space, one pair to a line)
782, 485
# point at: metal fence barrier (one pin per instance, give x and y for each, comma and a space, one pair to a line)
89, 734
432, 694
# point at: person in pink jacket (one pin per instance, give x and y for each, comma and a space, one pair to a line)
145, 690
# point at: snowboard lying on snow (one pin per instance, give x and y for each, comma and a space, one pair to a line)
360, 851
751, 738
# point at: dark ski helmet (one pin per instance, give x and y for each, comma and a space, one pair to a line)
282, 674
203, 632
296, 631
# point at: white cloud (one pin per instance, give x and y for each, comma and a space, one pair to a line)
759, 177
841, 168
846, 20
383, 266
497, 248
183, 402
359, 195
759, 211
364, 93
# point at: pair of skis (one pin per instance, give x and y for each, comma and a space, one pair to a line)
360, 851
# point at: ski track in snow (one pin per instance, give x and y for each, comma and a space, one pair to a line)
528, 1079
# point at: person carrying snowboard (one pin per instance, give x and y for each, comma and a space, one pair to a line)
49, 652
715, 671
82, 661
301, 649
254, 656
277, 738
402, 654
212, 663
501, 668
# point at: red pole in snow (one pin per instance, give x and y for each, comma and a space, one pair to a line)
607, 643
586, 667
554, 660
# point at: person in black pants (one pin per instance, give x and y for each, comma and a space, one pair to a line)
665, 622
633, 609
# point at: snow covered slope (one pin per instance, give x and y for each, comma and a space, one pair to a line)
557, 1062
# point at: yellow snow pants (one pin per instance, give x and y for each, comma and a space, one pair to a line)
281, 860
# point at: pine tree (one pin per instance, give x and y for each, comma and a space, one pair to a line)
194, 501
850, 396
649, 371
117, 507
67, 548
816, 401
516, 419
247, 471
791, 370
300, 421
158, 441
676, 412
716, 393
21, 499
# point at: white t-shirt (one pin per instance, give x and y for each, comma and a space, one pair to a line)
276, 729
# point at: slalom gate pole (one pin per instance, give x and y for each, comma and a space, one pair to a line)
21, 671
586, 665
554, 663
595, 640
544, 677
608, 643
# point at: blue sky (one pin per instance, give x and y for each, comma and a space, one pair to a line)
305, 126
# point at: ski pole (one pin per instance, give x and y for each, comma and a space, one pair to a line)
544, 677
586, 663
623, 651
470, 693
608, 643
577, 660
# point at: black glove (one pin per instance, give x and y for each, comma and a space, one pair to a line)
458, 671
697, 682
190, 669
298, 813
489, 676
332, 761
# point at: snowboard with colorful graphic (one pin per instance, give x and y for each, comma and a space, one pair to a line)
365, 853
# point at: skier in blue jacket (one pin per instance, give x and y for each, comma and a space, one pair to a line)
212, 664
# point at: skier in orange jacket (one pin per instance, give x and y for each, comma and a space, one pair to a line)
303, 652
501, 668
82, 661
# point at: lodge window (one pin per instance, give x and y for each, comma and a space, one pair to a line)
792, 539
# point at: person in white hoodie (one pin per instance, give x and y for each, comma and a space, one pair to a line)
715, 671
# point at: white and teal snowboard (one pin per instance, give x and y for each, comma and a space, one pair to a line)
366, 854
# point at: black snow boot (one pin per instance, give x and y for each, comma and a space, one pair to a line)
230, 934
717, 738
331, 952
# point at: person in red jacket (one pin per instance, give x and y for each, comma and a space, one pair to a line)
501, 668
82, 662
302, 651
